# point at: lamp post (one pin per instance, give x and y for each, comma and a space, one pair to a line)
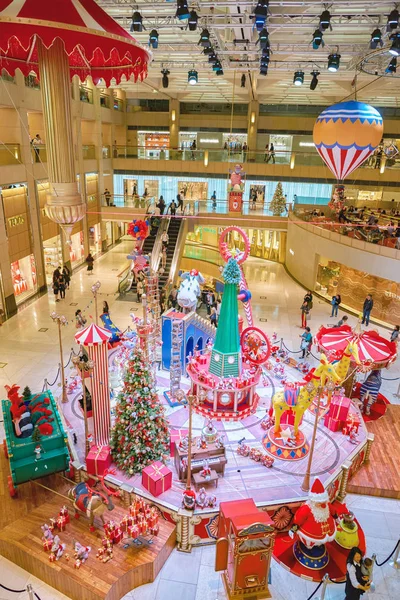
329, 387
84, 365
61, 322
191, 400
95, 288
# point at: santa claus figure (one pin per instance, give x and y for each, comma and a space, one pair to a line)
314, 525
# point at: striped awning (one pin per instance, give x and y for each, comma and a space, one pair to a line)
93, 335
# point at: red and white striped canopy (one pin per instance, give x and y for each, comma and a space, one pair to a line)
96, 45
374, 351
92, 336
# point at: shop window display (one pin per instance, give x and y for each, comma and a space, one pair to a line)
77, 250
353, 286
23, 273
153, 144
95, 239
52, 257
193, 190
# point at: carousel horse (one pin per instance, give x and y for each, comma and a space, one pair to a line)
300, 399
89, 502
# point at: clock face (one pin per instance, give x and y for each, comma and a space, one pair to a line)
253, 545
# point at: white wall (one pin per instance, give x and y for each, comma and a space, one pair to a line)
306, 243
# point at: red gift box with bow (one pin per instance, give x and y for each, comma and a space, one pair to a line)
133, 531
333, 424
98, 460
177, 435
47, 544
157, 478
339, 408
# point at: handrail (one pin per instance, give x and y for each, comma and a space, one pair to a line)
179, 248
157, 247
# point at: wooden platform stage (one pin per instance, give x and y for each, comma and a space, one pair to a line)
20, 542
381, 476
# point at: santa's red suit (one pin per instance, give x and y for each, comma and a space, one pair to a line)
315, 519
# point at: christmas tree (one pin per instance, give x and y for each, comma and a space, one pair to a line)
140, 433
278, 202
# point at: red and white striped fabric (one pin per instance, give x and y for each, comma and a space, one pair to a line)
96, 339
91, 335
342, 161
96, 45
373, 350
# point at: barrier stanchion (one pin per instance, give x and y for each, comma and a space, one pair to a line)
29, 589
395, 563
325, 582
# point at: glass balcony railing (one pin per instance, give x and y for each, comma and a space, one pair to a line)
363, 225
10, 154
88, 152
104, 101
85, 94
39, 153
32, 82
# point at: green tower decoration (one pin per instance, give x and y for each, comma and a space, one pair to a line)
225, 357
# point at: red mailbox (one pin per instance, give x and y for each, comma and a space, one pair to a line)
246, 537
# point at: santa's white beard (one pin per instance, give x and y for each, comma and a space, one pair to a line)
320, 514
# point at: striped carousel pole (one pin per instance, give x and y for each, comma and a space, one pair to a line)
95, 339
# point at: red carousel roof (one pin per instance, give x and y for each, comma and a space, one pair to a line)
92, 335
96, 45
374, 351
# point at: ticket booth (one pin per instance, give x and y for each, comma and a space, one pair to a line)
246, 537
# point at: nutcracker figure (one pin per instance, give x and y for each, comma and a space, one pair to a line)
246, 537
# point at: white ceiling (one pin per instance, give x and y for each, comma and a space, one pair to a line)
291, 24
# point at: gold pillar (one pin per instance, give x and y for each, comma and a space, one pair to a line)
184, 543
343, 482
370, 441
64, 202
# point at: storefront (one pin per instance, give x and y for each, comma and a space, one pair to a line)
77, 249
95, 239
153, 144
52, 252
23, 273
353, 286
193, 190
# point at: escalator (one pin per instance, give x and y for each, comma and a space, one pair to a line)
173, 233
127, 282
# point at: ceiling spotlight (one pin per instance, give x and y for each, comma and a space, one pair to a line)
395, 47
314, 80
137, 22
392, 66
333, 62
217, 65
264, 60
376, 38
243, 81
298, 78
393, 20
325, 20
153, 38
212, 58
165, 80
209, 50
205, 39
263, 69
219, 71
261, 13
192, 22
192, 77
182, 10
317, 39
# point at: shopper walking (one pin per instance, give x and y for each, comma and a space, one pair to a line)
61, 286
107, 196
80, 320
106, 309
214, 316
56, 288
309, 299
394, 336
164, 257
266, 153
367, 309
179, 200
172, 208
306, 342
89, 262
271, 154
36, 143
304, 312
66, 273
161, 205
335, 302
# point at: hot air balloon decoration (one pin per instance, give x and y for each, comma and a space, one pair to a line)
346, 134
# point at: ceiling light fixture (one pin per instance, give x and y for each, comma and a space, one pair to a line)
137, 22
182, 10
317, 40
165, 80
392, 66
395, 47
243, 81
325, 20
393, 20
333, 62
314, 80
263, 38
376, 38
261, 13
193, 77
192, 22
153, 38
205, 39
219, 71
298, 78
264, 70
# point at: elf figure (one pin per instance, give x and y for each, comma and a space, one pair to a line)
38, 452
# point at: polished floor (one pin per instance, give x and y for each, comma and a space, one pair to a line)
29, 347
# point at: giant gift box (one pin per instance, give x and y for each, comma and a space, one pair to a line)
98, 460
339, 408
176, 436
157, 478
333, 424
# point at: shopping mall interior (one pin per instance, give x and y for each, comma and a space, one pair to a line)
199, 299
